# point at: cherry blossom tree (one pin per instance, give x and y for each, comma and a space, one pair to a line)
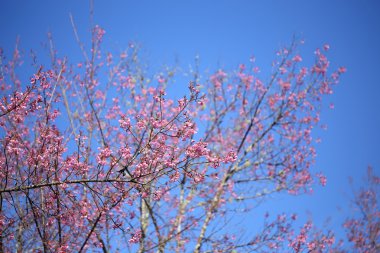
363, 230
95, 156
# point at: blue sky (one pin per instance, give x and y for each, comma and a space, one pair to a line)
226, 33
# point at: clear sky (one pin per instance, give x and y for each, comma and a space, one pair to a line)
225, 33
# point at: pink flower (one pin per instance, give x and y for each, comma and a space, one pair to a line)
231, 157
197, 150
322, 179
99, 33
297, 58
342, 70
104, 153
125, 123
136, 237
285, 85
